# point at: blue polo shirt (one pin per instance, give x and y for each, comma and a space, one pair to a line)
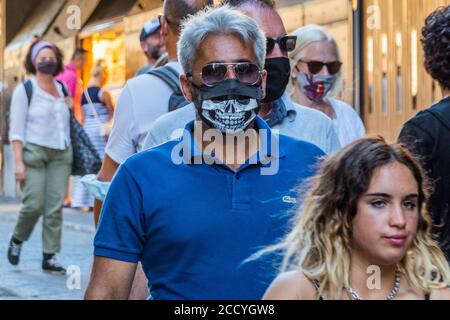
193, 225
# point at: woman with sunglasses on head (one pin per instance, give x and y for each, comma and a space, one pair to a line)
316, 75
360, 236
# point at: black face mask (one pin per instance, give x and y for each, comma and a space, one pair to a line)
278, 75
47, 67
230, 106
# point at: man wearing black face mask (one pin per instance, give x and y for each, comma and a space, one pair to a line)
276, 109
193, 223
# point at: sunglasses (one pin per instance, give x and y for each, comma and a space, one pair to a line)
315, 67
244, 72
287, 43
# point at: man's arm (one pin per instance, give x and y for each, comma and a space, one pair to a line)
107, 171
110, 280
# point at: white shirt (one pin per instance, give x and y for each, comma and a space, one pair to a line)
44, 122
301, 122
348, 124
144, 99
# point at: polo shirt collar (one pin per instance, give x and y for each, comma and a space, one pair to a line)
268, 138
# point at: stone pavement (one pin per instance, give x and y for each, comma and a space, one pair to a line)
27, 280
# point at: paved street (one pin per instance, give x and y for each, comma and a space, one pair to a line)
27, 281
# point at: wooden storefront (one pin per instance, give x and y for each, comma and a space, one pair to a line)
396, 83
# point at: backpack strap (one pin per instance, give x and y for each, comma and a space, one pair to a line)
169, 76
28, 85
64, 88
28, 90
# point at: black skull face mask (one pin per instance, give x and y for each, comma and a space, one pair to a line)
230, 106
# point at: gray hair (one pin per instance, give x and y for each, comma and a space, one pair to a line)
218, 21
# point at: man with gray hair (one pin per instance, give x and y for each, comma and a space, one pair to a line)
191, 210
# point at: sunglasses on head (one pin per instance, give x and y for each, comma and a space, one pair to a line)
287, 43
315, 67
214, 73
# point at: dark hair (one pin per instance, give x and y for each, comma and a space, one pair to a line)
436, 45
78, 52
176, 11
268, 4
30, 67
346, 176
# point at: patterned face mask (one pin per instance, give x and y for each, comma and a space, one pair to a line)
230, 115
316, 87
230, 106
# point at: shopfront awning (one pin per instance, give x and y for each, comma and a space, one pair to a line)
107, 14
19, 9
36, 22
65, 25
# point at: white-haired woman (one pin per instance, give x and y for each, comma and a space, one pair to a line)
316, 76
97, 108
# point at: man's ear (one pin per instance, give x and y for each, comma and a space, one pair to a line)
186, 87
263, 83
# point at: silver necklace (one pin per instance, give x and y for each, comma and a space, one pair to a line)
392, 294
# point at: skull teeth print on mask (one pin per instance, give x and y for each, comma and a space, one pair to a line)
230, 115
230, 106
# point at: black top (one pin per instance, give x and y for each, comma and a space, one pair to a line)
93, 94
427, 135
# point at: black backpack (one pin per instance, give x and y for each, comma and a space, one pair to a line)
171, 78
29, 89
86, 159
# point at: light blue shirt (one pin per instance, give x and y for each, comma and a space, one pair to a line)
300, 122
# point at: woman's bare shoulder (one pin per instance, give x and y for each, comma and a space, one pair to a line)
292, 285
440, 294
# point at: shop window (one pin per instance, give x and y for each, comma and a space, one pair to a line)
108, 45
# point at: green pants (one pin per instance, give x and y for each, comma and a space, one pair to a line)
43, 193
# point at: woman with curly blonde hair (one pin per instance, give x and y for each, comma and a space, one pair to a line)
363, 231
